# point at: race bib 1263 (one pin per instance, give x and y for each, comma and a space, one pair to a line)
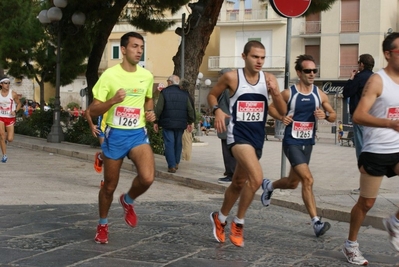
250, 111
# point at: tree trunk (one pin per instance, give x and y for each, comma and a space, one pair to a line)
196, 41
106, 26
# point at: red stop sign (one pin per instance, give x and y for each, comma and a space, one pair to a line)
290, 8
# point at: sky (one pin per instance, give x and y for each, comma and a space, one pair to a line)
248, 4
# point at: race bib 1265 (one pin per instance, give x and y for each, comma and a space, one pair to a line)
302, 130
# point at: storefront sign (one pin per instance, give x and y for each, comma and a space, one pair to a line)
332, 88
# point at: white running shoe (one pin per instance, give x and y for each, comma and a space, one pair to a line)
266, 196
393, 232
353, 254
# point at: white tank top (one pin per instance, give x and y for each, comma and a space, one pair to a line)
7, 105
383, 140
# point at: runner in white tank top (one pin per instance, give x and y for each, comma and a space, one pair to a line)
9, 106
378, 112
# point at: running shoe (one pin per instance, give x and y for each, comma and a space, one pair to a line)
4, 159
393, 232
320, 228
355, 191
237, 234
98, 163
224, 180
266, 196
353, 254
130, 215
102, 234
218, 227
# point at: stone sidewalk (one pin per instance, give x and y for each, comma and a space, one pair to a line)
333, 167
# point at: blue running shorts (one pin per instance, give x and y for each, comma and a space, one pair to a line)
118, 143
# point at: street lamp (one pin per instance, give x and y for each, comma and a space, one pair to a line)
198, 84
52, 19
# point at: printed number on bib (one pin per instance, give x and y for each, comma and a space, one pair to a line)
126, 117
302, 130
250, 111
393, 113
5, 111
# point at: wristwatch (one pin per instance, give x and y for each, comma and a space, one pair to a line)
327, 115
214, 108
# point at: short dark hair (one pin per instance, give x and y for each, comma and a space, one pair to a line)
387, 44
367, 60
251, 44
300, 59
126, 36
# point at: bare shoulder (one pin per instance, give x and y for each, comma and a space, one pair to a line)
373, 85
270, 75
230, 80
14, 94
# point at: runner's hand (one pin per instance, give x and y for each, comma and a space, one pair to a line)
119, 96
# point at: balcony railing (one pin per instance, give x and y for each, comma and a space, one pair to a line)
250, 15
350, 26
220, 62
311, 27
345, 71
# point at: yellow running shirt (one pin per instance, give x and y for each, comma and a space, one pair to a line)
138, 85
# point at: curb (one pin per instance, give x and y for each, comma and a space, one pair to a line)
374, 219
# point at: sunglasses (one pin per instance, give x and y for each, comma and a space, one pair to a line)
6, 83
308, 71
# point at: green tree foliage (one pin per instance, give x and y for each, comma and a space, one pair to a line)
147, 15
28, 49
317, 6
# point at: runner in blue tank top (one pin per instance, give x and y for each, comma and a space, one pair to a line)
249, 90
304, 102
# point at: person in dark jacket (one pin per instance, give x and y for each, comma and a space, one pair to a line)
228, 159
353, 89
174, 113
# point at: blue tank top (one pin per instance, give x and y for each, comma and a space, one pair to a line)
302, 106
248, 108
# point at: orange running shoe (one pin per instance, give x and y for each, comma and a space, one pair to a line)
218, 227
98, 163
237, 234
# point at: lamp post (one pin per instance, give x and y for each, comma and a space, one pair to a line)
52, 18
198, 84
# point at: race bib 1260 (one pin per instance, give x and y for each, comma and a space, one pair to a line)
126, 117
250, 111
302, 130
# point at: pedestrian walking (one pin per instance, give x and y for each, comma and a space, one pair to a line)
250, 88
174, 113
123, 94
228, 159
306, 104
353, 89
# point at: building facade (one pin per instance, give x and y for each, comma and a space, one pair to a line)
335, 38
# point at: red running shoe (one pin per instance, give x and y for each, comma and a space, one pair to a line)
130, 215
102, 234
